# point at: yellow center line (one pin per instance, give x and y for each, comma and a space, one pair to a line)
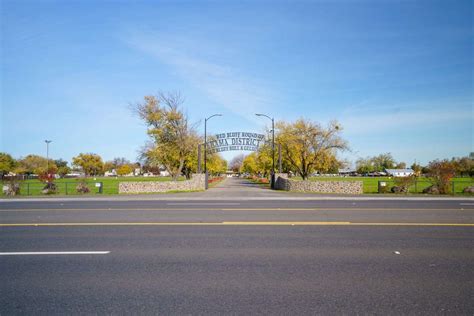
236, 223
345, 209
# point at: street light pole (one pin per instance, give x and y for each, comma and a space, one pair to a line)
205, 147
272, 182
47, 154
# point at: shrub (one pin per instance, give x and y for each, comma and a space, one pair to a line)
403, 184
12, 186
82, 187
49, 188
441, 172
433, 189
48, 179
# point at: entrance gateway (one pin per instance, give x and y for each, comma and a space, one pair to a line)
229, 141
234, 141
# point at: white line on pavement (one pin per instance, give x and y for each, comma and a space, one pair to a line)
55, 253
466, 203
197, 204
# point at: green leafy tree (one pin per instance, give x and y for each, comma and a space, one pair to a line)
401, 165
62, 167
364, 165
63, 171
307, 145
377, 163
383, 161
7, 163
90, 163
464, 166
60, 163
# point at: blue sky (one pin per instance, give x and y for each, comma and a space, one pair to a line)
398, 75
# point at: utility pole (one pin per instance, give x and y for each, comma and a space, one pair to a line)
47, 154
272, 180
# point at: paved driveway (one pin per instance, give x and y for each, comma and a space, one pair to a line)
237, 187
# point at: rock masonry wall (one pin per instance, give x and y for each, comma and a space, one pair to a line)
197, 182
338, 187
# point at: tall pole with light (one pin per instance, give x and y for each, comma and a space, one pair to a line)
272, 181
47, 154
205, 147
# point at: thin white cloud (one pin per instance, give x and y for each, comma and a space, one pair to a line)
221, 83
397, 119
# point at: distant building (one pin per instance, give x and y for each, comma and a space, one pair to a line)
347, 172
399, 172
112, 173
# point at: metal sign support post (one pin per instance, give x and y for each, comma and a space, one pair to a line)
206, 186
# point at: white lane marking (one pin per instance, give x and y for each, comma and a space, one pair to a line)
55, 253
466, 204
197, 204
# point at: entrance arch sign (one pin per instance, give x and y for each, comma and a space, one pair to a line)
235, 141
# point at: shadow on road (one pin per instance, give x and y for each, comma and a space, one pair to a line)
233, 187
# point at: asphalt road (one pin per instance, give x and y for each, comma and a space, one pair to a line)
237, 256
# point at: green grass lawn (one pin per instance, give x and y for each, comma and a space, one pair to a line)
370, 184
68, 186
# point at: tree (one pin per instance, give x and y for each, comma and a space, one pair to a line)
109, 166
63, 171
60, 163
417, 168
403, 184
116, 163
305, 144
401, 165
90, 163
383, 161
364, 165
441, 172
34, 164
63, 168
191, 161
249, 164
464, 166
236, 163
124, 170
120, 161
7, 163
216, 164
377, 163
264, 159
169, 129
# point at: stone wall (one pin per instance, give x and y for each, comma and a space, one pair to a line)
339, 187
197, 182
